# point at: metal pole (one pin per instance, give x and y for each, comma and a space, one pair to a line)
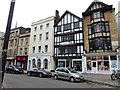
6, 38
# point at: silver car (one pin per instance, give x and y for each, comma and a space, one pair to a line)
68, 73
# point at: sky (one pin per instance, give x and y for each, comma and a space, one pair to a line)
28, 11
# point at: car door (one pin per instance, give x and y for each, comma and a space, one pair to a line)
65, 74
35, 72
60, 72
11, 69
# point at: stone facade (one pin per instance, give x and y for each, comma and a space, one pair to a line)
110, 16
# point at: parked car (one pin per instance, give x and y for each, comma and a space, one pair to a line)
69, 74
13, 69
115, 74
39, 72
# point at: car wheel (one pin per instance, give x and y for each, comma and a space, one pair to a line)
28, 74
55, 77
113, 77
72, 79
13, 72
40, 75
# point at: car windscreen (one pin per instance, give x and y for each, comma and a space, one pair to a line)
72, 70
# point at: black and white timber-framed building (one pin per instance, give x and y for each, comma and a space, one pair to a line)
69, 41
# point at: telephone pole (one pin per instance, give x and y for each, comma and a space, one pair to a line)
6, 38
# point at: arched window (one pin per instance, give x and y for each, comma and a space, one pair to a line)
38, 63
33, 63
45, 63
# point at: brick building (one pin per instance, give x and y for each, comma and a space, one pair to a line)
100, 41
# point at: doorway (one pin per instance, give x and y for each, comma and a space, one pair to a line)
77, 65
94, 66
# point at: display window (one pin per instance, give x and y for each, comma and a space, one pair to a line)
61, 63
88, 65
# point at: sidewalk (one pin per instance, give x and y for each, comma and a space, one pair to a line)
101, 79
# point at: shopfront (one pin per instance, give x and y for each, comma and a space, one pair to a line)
21, 61
77, 64
39, 62
101, 64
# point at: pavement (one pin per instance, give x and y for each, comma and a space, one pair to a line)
102, 79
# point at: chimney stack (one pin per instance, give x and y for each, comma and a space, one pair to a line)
56, 15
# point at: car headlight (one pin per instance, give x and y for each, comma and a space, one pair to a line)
44, 73
77, 76
81, 77
16, 69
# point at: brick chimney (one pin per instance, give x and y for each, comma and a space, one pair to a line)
56, 16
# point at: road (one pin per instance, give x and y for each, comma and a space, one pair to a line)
24, 81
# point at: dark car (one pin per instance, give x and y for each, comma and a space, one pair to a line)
39, 73
13, 69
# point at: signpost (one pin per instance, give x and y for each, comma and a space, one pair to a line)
6, 40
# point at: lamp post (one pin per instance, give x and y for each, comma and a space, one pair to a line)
6, 38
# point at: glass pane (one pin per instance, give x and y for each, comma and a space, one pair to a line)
94, 64
88, 65
61, 64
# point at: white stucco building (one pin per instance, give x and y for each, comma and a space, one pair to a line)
41, 47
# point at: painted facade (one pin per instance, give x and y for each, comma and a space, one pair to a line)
41, 47
18, 47
69, 42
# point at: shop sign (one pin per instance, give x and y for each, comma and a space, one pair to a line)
99, 58
21, 58
88, 58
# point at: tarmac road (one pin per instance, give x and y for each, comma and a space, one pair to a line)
24, 81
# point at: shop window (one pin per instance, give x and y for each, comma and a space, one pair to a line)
61, 64
33, 63
94, 64
46, 64
106, 65
113, 57
88, 65
77, 65
100, 65
113, 63
106, 58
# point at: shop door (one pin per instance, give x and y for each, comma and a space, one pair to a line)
77, 65
94, 66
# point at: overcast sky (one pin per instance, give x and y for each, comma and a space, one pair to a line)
28, 11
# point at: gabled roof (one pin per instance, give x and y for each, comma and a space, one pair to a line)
105, 6
66, 12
